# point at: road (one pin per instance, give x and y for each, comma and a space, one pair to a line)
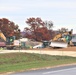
66, 70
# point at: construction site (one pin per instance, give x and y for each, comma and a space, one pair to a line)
64, 39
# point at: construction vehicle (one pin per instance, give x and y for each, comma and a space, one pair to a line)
2, 36
43, 44
2, 40
62, 40
8, 42
74, 39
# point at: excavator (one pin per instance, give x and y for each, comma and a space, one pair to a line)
2, 40
2, 36
6, 44
62, 40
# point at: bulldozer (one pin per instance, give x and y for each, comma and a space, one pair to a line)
62, 40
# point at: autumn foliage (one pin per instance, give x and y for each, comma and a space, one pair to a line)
37, 30
9, 28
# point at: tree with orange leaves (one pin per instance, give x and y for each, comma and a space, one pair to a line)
37, 31
9, 28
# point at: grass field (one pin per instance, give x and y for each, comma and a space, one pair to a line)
24, 61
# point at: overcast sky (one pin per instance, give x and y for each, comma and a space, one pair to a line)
61, 12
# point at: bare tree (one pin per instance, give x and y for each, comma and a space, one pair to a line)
48, 24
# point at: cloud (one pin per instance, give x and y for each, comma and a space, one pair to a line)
61, 12
52, 4
36, 4
12, 9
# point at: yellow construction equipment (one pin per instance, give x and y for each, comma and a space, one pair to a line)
62, 39
8, 44
2, 36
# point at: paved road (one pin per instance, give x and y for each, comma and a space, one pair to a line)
68, 70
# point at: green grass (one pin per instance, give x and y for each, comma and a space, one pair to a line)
24, 61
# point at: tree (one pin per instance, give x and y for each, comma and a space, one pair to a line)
37, 30
48, 24
9, 28
62, 30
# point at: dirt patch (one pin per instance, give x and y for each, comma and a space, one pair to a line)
58, 49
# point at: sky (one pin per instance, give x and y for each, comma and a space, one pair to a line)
61, 12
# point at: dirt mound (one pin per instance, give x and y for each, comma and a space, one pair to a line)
70, 49
60, 49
